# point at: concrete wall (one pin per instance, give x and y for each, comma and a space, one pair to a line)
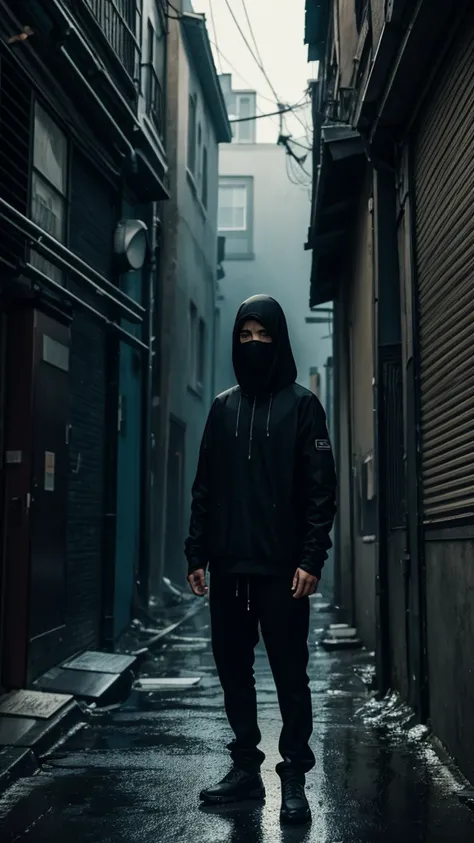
359, 304
189, 273
280, 267
344, 549
450, 626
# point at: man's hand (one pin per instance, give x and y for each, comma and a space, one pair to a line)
197, 581
304, 584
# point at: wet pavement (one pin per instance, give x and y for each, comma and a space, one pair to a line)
133, 774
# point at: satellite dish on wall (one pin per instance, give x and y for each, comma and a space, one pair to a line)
131, 244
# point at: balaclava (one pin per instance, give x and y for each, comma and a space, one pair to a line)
263, 368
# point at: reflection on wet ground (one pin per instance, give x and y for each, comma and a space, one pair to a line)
133, 775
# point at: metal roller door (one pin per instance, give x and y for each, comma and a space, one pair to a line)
444, 225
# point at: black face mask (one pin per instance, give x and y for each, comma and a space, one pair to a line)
256, 361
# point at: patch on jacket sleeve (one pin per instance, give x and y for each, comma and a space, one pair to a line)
323, 445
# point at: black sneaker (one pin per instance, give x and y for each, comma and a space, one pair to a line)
236, 786
295, 809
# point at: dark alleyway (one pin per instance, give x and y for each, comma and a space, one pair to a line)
133, 775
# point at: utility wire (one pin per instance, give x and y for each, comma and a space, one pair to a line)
305, 182
233, 67
214, 29
250, 48
290, 139
268, 114
179, 15
290, 175
249, 23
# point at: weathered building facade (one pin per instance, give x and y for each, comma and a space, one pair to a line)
392, 234
80, 176
196, 124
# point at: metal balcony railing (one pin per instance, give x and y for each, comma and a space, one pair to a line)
154, 97
117, 20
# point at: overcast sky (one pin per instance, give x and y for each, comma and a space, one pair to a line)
278, 26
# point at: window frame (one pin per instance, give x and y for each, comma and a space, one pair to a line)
192, 135
247, 234
37, 260
226, 229
205, 177
251, 96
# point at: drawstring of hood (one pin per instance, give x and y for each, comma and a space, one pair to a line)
270, 405
252, 420
251, 428
238, 415
237, 591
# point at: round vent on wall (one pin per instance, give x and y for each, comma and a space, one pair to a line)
131, 244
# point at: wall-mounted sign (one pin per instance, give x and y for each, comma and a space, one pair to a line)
13, 457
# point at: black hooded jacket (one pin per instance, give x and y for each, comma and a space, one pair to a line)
264, 493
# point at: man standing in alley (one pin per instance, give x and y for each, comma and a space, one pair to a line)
262, 511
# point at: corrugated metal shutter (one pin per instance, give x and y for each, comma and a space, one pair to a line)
444, 194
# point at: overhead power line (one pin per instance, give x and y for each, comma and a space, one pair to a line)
249, 24
236, 70
250, 49
214, 29
269, 114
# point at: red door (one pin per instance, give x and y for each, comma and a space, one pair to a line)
36, 470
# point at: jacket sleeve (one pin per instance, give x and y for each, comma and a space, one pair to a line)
317, 484
195, 547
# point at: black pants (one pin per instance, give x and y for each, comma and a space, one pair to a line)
238, 606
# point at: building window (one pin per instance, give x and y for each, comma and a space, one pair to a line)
154, 69
49, 185
232, 207
192, 115
246, 106
236, 216
197, 336
205, 176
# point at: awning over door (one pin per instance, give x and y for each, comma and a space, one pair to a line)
337, 190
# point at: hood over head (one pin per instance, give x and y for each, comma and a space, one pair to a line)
263, 368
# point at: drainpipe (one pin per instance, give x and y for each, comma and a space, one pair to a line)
147, 409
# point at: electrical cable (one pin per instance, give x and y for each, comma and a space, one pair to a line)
290, 175
249, 23
297, 143
298, 175
175, 9
249, 47
233, 67
268, 114
296, 172
214, 29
